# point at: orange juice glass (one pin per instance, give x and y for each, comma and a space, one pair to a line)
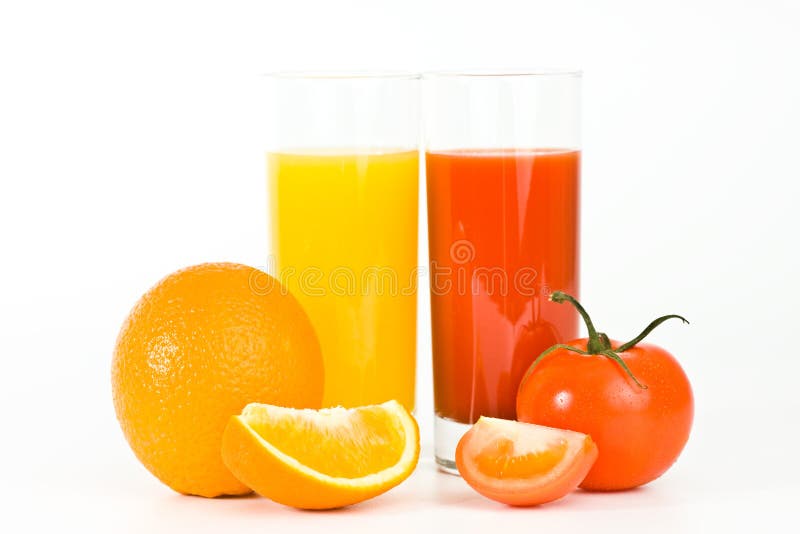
343, 187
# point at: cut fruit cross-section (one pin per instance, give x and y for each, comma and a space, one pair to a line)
522, 464
319, 459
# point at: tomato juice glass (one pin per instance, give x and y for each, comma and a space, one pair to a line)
343, 172
503, 185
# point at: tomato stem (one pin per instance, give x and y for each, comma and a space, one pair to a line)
616, 357
646, 331
598, 342
548, 351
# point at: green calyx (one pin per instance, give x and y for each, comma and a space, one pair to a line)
598, 342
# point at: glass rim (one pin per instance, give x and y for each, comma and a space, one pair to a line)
342, 75
510, 73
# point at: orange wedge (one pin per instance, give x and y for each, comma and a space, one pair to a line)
320, 459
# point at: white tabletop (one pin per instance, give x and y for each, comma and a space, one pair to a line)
108, 491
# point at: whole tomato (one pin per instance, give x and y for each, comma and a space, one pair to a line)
634, 400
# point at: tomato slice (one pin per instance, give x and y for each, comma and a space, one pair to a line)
523, 464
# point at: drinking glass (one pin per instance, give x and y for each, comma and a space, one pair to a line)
343, 167
503, 182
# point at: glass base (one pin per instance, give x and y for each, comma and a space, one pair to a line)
447, 433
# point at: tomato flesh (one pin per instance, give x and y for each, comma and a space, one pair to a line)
498, 460
522, 464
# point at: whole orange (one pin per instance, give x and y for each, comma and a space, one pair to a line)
199, 346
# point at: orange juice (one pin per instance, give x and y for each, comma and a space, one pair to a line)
344, 239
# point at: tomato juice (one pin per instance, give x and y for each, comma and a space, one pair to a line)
503, 235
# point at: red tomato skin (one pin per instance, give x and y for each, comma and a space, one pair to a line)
639, 432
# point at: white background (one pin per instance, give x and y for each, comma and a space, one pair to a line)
129, 147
